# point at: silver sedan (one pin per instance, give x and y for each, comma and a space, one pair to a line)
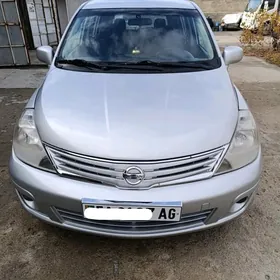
137, 130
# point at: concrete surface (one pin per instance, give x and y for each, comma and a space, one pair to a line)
228, 38
21, 78
245, 249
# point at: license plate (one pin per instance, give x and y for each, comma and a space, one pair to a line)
131, 211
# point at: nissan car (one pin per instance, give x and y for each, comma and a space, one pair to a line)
137, 130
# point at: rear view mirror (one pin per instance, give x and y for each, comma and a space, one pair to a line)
45, 54
140, 21
232, 54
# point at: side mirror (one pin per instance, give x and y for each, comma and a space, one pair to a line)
232, 54
45, 54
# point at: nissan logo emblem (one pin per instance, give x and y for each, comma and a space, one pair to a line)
133, 175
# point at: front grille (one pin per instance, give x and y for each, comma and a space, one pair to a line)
156, 172
187, 221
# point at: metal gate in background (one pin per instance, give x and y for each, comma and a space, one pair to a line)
12, 43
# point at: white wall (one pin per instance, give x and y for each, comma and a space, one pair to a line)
72, 6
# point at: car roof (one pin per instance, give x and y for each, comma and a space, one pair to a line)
173, 4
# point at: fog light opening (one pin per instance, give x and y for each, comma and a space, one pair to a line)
242, 200
238, 205
27, 200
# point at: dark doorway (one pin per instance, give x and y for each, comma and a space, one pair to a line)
25, 24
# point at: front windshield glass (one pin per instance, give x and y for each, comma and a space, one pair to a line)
133, 35
253, 5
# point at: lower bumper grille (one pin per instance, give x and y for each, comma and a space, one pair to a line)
187, 221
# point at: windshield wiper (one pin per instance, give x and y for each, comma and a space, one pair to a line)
137, 65
142, 65
159, 66
180, 64
83, 63
104, 66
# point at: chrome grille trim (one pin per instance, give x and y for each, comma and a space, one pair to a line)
157, 172
187, 220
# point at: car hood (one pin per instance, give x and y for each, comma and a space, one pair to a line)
136, 116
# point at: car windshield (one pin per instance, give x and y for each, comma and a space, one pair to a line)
253, 5
134, 36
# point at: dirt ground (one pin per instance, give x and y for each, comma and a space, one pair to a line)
247, 248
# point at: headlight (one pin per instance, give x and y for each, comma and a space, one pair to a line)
27, 144
244, 147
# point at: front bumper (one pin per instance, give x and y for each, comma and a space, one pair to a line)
57, 200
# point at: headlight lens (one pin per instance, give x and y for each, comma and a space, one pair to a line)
27, 144
244, 147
